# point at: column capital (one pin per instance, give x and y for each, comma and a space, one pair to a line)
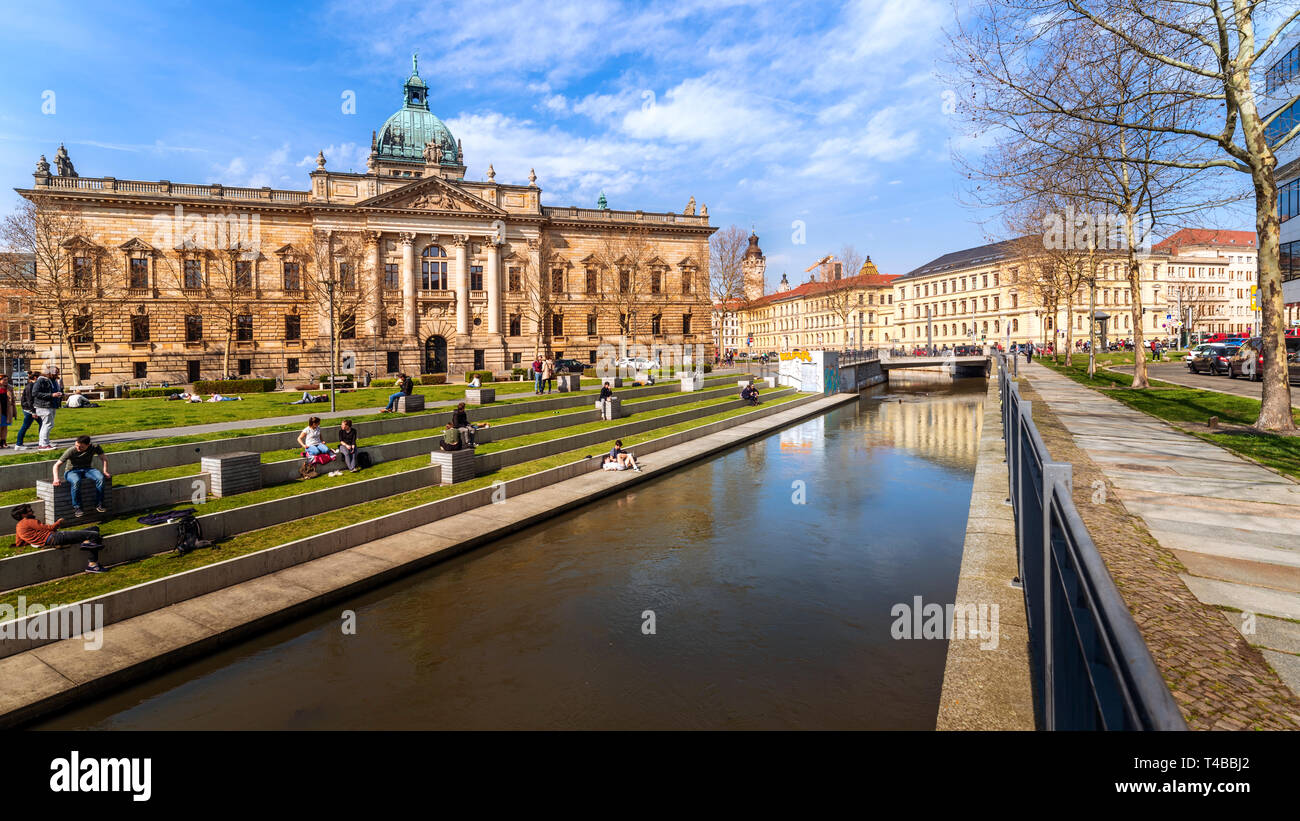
372, 237
406, 238
460, 240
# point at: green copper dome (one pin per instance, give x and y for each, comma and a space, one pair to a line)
405, 134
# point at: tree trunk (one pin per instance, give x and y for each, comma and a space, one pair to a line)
1069, 329
225, 355
1275, 409
1135, 287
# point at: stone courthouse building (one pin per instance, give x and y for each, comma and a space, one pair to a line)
442, 274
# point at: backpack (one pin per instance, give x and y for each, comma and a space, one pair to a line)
27, 401
189, 535
363, 459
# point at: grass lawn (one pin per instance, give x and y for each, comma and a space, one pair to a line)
84, 586
1190, 409
128, 522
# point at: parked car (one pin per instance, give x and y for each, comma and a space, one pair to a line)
1248, 360
638, 364
966, 350
1211, 358
570, 366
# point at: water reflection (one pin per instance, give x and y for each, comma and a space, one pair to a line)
771, 611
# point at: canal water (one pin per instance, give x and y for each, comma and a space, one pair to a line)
769, 573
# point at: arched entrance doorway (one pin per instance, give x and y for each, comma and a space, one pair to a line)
435, 355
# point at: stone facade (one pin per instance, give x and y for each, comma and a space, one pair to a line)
445, 274
853, 312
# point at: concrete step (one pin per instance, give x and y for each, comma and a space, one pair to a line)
1249, 598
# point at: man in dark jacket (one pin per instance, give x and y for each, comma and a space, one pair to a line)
47, 394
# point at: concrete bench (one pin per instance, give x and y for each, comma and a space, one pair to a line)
233, 472
480, 396
611, 408
455, 465
570, 382
58, 500
692, 382
339, 385
411, 404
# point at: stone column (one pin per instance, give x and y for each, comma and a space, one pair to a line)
492, 281
461, 242
410, 307
377, 309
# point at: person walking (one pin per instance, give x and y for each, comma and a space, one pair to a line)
8, 410
47, 395
1029, 353
27, 404
548, 372
79, 459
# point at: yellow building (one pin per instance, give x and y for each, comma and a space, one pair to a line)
854, 312
443, 274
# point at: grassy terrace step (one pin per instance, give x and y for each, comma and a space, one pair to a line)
1189, 409
20, 495
128, 522
77, 588
69, 421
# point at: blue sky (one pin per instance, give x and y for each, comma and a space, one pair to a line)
767, 112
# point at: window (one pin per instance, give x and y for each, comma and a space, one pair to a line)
433, 269
83, 330
1280, 127
476, 277
140, 369
686, 323
81, 272
83, 372
347, 276
591, 281
656, 282
516, 358
516, 325
348, 325
591, 324
291, 365
1283, 70
139, 272
557, 324
292, 327
244, 328
245, 367
624, 281
193, 274
392, 276
244, 274
656, 322
391, 361
292, 279
686, 282
139, 328
557, 280
516, 284
193, 328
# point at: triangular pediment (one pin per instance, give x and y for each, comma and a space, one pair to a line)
432, 194
136, 244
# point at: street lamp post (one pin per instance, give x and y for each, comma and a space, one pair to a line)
329, 286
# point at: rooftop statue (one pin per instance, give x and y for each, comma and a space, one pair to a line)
64, 163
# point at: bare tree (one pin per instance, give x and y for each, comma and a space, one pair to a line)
214, 284
537, 291
72, 281
341, 284
633, 284
1193, 64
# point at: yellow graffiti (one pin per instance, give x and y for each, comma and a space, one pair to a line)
803, 356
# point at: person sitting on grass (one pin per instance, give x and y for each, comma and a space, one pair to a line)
623, 457
348, 445
29, 531
451, 439
79, 458
749, 393
460, 420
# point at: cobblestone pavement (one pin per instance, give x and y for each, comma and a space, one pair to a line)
1204, 547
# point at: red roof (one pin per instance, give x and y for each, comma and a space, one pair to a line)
1206, 236
810, 288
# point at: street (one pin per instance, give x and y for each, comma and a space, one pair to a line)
1177, 373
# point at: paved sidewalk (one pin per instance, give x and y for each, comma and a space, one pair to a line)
1234, 525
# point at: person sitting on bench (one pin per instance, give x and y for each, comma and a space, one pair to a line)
310, 439
623, 457
460, 419
451, 439
79, 458
29, 531
404, 388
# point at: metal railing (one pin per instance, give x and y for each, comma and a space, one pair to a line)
1092, 668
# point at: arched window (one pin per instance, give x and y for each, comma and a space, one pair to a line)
433, 269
